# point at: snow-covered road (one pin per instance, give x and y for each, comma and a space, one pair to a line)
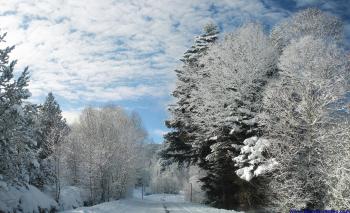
158, 203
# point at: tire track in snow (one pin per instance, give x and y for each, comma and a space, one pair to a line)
165, 208
180, 207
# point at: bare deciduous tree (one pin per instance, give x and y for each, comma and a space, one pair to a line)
311, 22
105, 143
313, 75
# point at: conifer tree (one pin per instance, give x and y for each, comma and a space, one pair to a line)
178, 145
53, 130
16, 145
237, 69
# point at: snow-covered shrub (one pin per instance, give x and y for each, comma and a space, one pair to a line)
24, 199
70, 198
251, 161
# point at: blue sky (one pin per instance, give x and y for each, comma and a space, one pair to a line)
93, 53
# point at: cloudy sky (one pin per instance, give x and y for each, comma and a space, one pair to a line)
123, 52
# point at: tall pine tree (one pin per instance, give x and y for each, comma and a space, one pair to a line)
16, 145
178, 144
53, 130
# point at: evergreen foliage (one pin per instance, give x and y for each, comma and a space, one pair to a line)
178, 145
17, 147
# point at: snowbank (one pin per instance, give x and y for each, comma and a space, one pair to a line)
70, 198
25, 199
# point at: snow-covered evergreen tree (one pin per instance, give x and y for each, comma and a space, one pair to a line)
53, 130
201, 44
31, 112
50, 118
237, 70
16, 145
179, 141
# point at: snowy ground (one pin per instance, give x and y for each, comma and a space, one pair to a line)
157, 203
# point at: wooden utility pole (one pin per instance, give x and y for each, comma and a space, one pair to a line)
142, 190
191, 192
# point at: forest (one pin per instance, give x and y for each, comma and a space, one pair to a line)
259, 122
264, 115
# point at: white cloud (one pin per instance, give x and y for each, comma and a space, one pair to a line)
111, 50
